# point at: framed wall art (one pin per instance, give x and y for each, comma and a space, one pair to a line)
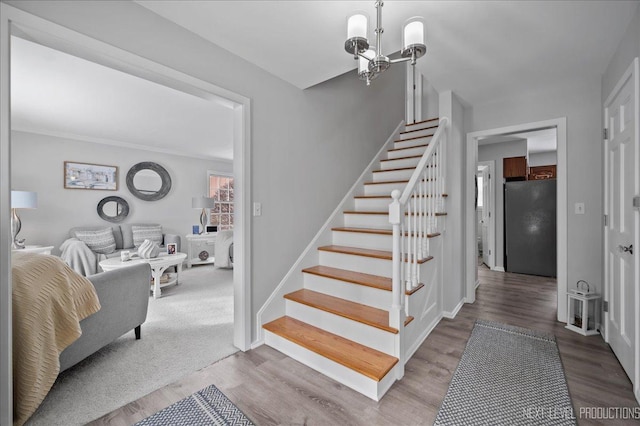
90, 176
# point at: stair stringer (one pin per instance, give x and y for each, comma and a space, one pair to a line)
275, 306
425, 305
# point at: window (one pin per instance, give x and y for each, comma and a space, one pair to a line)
221, 190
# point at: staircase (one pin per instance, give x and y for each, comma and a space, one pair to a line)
353, 319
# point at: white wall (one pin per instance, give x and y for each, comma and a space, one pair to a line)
496, 152
37, 165
430, 100
546, 158
308, 147
454, 237
628, 49
580, 102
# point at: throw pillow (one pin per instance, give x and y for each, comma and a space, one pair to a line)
146, 232
100, 241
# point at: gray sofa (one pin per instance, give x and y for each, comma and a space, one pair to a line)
124, 298
124, 236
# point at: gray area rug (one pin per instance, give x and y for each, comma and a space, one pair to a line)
206, 407
507, 376
187, 329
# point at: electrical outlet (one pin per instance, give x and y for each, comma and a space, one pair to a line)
579, 208
257, 209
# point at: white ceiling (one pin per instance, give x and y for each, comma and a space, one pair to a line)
58, 94
482, 50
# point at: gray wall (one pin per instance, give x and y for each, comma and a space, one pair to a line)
580, 102
496, 152
308, 147
627, 50
547, 158
37, 165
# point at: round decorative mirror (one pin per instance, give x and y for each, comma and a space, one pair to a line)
148, 181
113, 209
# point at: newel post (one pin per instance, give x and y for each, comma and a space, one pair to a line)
397, 314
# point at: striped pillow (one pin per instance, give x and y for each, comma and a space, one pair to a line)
146, 232
100, 241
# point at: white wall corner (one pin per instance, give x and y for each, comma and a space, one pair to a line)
420, 340
452, 314
498, 269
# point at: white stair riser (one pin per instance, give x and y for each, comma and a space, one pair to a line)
412, 142
364, 264
335, 371
414, 133
378, 221
397, 164
370, 296
382, 205
423, 125
409, 152
386, 188
366, 335
372, 204
363, 240
393, 175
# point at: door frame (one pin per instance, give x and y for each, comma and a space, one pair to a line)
49, 33
633, 72
492, 209
560, 124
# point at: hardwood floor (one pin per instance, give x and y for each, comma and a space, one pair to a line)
271, 388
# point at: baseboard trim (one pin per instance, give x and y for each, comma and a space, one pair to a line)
257, 343
452, 314
498, 269
477, 283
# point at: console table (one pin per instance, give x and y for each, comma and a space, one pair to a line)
201, 249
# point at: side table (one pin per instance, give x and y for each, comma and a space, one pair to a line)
200, 249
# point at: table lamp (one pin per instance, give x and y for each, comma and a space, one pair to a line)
203, 203
20, 200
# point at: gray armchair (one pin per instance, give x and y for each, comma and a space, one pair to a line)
124, 297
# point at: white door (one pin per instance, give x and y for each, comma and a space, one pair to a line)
622, 184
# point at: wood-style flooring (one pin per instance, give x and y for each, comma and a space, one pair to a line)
272, 389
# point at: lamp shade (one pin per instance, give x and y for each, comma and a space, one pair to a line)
413, 33
24, 200
357, 25
202, 202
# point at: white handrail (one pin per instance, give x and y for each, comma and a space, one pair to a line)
412, 215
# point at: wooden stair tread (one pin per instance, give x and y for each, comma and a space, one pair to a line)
386, 196
423, 121
376, 231
362, 359
410, 147
353, 277
413, 138
364, 314
398, 169
402, 158
356, 251
418, 130
396, 181
385, 213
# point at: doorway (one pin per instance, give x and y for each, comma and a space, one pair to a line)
485, 209
473, 140
22, 24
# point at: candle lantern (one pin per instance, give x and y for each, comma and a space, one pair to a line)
583, 310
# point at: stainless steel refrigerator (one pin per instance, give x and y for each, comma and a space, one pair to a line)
530, 227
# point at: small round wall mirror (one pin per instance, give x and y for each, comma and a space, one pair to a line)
148, 181
113, 209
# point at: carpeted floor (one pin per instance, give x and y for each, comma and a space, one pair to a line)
188, 328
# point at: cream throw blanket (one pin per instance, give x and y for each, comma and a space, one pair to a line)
49, 300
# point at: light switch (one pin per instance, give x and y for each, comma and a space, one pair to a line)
579, 208
257, 209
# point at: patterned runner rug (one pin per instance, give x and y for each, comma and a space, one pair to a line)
206, 407
506, 376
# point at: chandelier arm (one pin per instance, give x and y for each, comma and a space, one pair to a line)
396, 61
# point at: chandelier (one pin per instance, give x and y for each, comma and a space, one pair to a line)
372, 63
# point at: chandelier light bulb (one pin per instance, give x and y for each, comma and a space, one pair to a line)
363, 62
413, 33
357, 26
